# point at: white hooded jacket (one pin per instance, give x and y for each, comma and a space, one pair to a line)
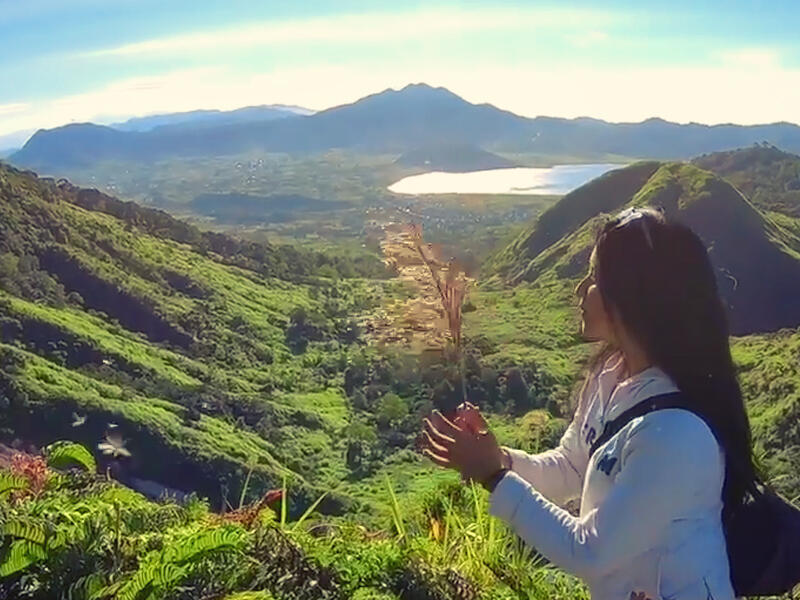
650, 518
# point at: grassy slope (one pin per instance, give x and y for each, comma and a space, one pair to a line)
765, 174
769, 371
238, 322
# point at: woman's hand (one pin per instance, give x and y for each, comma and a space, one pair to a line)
465, 445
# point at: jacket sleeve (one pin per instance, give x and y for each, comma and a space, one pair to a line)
667, 464
558, 473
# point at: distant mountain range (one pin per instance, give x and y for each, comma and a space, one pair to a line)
393, 122
212, 118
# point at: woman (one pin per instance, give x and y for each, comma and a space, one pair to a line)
654, 495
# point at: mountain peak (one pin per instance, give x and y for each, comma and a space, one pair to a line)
415, 93
424, 88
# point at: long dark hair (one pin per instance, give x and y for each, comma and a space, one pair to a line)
655, 275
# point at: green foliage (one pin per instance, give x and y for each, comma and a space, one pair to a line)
391, 409
397, 513
765, 174
163, 570
769, 372
62, 455
10, 482
20, 555
247, 368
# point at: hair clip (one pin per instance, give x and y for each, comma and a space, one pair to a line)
634, 214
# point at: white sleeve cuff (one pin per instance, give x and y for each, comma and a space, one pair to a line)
506, 496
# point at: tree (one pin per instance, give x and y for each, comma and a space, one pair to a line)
445, 397
304, 327
553, 407
516, 390
358, 435
392, 409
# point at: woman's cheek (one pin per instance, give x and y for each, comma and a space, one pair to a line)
594, 326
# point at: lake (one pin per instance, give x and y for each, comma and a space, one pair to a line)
555, 180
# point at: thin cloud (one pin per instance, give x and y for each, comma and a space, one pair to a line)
365, 28
731, 92
10, 109
588, 38
748, 58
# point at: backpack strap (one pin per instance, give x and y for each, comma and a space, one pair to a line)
660, 402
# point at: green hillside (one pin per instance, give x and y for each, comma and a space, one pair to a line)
194, 362
211, 355
769, 177
229, 369
755, 253
214, 356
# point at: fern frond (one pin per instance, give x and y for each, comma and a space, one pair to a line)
138, 585
21, 554
203, 543
26, 529
62, 455
86, 587
10, 482
167, 574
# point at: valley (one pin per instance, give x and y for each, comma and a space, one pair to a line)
249, 326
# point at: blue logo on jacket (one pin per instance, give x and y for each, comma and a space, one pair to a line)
606, 463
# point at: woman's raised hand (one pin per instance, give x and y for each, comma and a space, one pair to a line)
464, 444
469, 416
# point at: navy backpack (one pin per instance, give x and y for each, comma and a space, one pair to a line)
763, 535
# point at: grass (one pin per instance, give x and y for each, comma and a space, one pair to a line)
110, 339
452, 550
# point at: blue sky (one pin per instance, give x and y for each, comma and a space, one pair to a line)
107, 60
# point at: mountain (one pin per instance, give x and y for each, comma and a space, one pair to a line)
399, 121
453, 158
756, 256
206, 118
75, 144
11, 142
390, 121
193, 343
768, 176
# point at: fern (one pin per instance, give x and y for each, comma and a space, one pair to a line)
62, 455
86, 588
202, 543
20, 555
26, 529
10, 482
167, 574
167, 568
138, 585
